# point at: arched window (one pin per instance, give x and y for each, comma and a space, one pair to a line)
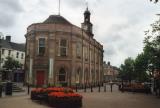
62, 75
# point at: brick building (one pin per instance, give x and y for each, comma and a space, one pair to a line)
110, 72
58, 52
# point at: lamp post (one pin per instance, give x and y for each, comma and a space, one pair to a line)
151, 73
0, 62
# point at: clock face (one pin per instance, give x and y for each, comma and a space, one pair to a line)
87, 19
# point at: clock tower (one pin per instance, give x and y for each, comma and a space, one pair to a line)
87, 25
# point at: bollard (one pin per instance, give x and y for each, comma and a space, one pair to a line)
91, 88
102, 84
119, 87
0, 90
85, 88
28, 89
99, 88
122, 88
76, 88
111, 87
104, 88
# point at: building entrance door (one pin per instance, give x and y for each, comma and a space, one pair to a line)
40, 76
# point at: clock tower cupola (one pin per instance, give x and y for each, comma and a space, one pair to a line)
87, 25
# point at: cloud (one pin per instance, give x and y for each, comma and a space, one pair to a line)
117, 24
109, 50
81, 3
9, 11
74, 3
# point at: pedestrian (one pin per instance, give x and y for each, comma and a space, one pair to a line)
111, 86
28, 88
119, 86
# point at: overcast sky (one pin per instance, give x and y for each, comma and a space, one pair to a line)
118, 25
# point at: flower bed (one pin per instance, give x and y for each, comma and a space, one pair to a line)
135, 88
57, 97
65, 100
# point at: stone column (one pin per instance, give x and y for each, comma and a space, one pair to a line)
30, 70
73, 74
51, 69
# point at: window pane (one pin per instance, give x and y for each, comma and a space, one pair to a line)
42, 42
17, 54
41, 50
63, 51
61, 77
9, 52
21, 55
3, 51
41, 46
63, 43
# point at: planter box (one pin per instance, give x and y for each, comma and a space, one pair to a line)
65, 102
57, 97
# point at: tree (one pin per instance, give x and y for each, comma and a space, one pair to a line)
148, 60
155, 1
127, 70
10, 64
140, 67
152, 44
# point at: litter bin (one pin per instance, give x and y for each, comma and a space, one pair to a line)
8, 90
0, 90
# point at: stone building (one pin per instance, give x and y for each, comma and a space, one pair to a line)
110, 72
17, 52
58, 52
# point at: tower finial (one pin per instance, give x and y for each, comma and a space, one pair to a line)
59, 7
86, 5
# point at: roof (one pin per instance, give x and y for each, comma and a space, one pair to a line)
56, 19
87, 11
12, 45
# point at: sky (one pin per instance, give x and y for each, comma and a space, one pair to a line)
118, 25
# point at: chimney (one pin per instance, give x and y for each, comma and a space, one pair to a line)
108, 63
8, 38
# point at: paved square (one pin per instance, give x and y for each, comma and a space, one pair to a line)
94, 99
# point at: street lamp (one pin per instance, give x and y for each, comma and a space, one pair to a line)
151, 69
151, 73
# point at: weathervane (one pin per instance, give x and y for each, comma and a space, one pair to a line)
86, 4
